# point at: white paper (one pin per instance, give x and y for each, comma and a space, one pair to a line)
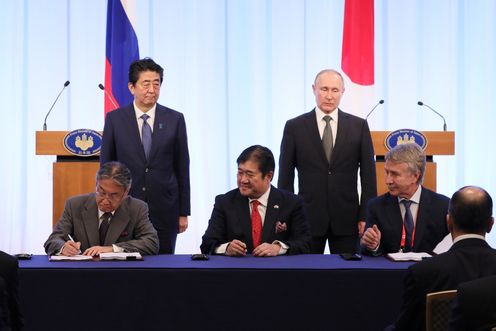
410, 256
70, 258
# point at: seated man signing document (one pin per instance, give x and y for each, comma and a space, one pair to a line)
108, 220
257, 218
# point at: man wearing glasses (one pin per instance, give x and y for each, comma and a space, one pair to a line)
108, 220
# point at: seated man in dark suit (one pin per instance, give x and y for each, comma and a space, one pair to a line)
470, 257
106, 221
10, 316
257, 218
408, 217
475, 305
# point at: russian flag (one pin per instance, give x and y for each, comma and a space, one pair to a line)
357, 58
121, 50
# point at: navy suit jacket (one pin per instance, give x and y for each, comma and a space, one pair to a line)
474, 308
10, 315
329, 190
163, 181
466, 260
430, 227
231, 220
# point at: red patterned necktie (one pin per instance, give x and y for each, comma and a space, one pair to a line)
256, 224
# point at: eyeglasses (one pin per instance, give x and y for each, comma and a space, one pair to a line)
109, 196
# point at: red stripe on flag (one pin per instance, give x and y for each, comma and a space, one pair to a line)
358, 41
109, 96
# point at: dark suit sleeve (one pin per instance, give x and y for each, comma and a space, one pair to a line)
300, 238
287, 160
372, 219
367, 170
9, 274
181, 167
216, 233
107, 152
145, 239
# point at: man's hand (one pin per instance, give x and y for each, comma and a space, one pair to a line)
96, 250
183, 223
71, 248
361, 228
267, 249
236, 248
371, 238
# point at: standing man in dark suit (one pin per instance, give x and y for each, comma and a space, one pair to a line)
151, 140
470, 257
474, 308
328, 146
257, 218
10, 315
388, 226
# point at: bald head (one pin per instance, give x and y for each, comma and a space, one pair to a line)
329, 72
471, 210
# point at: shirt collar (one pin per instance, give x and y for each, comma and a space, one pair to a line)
100, 213
263, 199
139, 112
320, 114
415, 197
469, 236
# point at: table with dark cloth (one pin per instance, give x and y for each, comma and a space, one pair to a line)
172, 292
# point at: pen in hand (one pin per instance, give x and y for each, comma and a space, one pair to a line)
72, 239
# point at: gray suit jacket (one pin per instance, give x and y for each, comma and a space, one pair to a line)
130, 227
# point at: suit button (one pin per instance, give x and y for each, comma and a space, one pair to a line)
146, 170
143, 188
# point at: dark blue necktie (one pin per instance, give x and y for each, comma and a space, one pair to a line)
408, 221
146, 136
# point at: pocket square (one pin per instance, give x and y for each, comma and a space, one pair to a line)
281, 227
124, 234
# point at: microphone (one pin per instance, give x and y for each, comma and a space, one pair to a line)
107, 94
370, 112
420, 103
62, 90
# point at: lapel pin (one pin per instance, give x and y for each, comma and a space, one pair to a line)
276, 206
160, 126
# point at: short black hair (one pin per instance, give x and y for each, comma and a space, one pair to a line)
261, 155
142, 65
116, 171
471, 209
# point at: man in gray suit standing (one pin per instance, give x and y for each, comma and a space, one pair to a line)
108, 220
328, 147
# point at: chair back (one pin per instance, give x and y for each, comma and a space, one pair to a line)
438, 310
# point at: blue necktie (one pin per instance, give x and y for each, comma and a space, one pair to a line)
146, 136
408, 221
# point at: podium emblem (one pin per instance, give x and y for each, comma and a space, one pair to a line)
83, 142
404, 136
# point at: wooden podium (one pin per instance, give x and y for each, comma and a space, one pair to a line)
72, 175
438, 143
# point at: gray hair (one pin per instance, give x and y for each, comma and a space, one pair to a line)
411, 154
116, 171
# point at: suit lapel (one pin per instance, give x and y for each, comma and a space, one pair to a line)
118, 223
243, 213
341, 135
159, 126
90, 221
271, 213
422, 217
132, 124
312, 131
394, 218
